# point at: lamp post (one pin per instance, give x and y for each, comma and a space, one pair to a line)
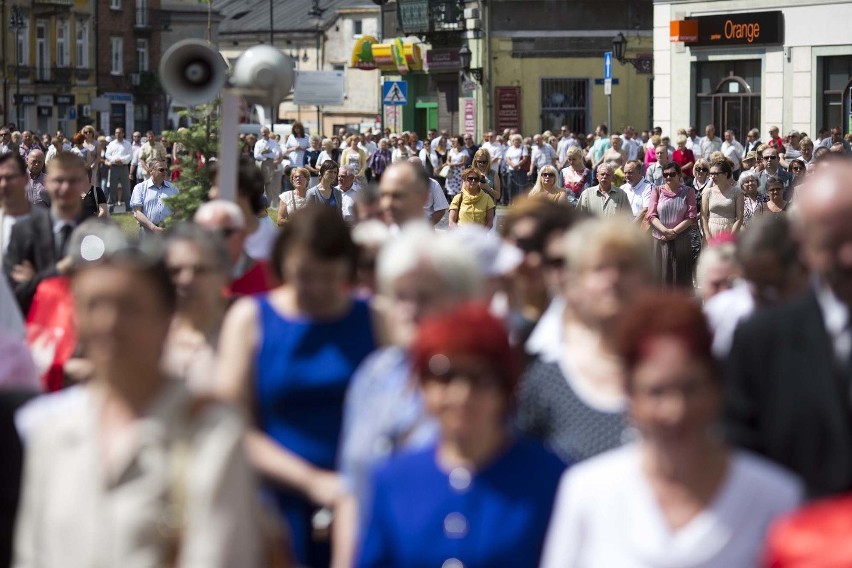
17, 24
641, 64
316, 12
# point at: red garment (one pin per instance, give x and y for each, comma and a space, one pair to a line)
685, 156
52, 330
255, 280
815, 536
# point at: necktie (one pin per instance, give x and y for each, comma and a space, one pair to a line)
62, 241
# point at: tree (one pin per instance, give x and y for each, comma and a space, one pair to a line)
199, 143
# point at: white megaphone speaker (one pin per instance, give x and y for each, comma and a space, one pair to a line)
192, 72
263, 75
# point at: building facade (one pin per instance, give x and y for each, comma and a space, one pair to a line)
48, 64
128, 48
744, 64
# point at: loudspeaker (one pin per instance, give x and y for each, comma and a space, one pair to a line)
192, 72
263, 75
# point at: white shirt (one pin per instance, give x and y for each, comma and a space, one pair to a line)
639, 195
258, 245
369, 147
633, 148
266, 150
733, 151
347, 204
563, 145
116, 150
437, 201
606, 514
692, 143
543, 155
724, 312
545, 341
835, 314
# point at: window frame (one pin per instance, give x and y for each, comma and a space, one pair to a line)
116, 56
143, 51
63, 51
81, 44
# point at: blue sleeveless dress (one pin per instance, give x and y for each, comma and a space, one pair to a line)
303, 369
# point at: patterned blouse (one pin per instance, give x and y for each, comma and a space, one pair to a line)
672, 208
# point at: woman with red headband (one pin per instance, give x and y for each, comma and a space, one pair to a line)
478, 498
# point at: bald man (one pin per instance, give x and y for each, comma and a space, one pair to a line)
789, 389
403, 191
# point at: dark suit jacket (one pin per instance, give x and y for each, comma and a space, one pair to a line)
788, 399
32, 239
10, 473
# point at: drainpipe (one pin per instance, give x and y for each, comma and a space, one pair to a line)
489, 102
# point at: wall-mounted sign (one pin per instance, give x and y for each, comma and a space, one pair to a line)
508, 108
470, 116
63, 100
396, 56
319, 88
24, 99
443, 59
755, 28
45, 110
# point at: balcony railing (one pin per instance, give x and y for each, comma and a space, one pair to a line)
23, 71
54, 2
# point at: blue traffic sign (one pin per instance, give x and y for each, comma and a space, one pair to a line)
395, 93
607, 65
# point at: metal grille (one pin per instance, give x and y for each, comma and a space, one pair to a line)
564, 101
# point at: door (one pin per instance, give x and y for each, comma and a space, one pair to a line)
732, 115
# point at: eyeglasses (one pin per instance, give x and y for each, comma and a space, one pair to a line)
702, 170
546, 175
668, 175
472, 179
770, 157
796, 169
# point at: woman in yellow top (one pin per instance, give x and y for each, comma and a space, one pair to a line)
472, 205
546, 187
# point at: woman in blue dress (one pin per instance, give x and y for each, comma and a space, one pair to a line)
478, 498
287, 358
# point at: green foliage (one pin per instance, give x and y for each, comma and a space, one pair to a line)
194, 181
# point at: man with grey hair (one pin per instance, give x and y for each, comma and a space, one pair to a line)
604, 200
148, 199
436, 204
36, 190
249, 276
268, 155
403, 193
349, 187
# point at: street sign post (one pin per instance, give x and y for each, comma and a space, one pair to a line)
395, 93
608, 87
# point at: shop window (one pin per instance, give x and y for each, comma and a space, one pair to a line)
727, 96
564, 101
835, 74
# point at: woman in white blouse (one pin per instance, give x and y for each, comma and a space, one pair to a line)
296, 145
680, 497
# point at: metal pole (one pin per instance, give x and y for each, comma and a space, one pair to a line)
271, 25
17, 77
609, 111
319, 123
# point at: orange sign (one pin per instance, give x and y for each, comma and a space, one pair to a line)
683, 30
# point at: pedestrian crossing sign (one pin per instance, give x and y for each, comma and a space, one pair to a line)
395, 92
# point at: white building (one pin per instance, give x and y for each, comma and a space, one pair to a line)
745, 64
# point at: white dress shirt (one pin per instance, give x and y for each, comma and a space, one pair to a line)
119, 150
266, 150
639, 195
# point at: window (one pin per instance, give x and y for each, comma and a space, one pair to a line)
339, 67
142, 55
115, 4
42, 53
564, 101
24, 44
142, 13
357, 27
836, 72
63, 55
116, 55
82, 43
728, 95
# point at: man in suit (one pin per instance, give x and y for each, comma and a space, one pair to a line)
788, 390
38, 244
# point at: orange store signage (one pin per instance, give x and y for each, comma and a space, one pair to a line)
757, 28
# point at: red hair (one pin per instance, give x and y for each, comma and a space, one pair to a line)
469, 330
673, 314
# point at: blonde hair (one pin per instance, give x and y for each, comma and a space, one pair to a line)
301, 171
574, 152
597, 237
537, 188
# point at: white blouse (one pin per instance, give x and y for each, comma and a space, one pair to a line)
607, 515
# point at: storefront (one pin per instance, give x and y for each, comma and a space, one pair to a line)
743, 64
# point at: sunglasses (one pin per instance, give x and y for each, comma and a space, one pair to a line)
796, 169
482, 162
668, 175
547, 175
770, 157
160, 169
702, 170
472, 179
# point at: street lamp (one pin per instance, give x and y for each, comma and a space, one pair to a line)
17, 24
316, 13
619, 46
465, 58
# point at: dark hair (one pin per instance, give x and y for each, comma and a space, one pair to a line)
672, 166
250, 184
321, 231
655, 315
460, 140
210, 242
724, 164
328, 165
774, 180
604, 128
298, 126
549, 217
17, 159
471, 330
772, 234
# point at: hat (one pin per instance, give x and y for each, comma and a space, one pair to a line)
752, 155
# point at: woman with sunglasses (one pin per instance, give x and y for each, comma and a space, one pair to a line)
775, 191
479, 497
296, 198
489, 184
546, 187
672, 213
723, 203
471, 204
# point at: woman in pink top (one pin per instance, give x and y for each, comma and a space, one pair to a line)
672, 212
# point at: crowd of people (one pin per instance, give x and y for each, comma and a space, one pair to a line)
641, 359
